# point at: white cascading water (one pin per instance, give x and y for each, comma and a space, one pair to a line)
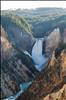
27, 53
37, 56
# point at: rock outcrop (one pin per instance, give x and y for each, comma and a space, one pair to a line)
59, 95
53, 40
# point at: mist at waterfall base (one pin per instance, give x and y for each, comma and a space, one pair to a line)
39, 60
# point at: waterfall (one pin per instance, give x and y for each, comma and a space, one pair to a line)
37, 52
37, 56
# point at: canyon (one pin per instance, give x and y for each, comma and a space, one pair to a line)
33, 54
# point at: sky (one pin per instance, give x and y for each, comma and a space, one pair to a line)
31, 4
